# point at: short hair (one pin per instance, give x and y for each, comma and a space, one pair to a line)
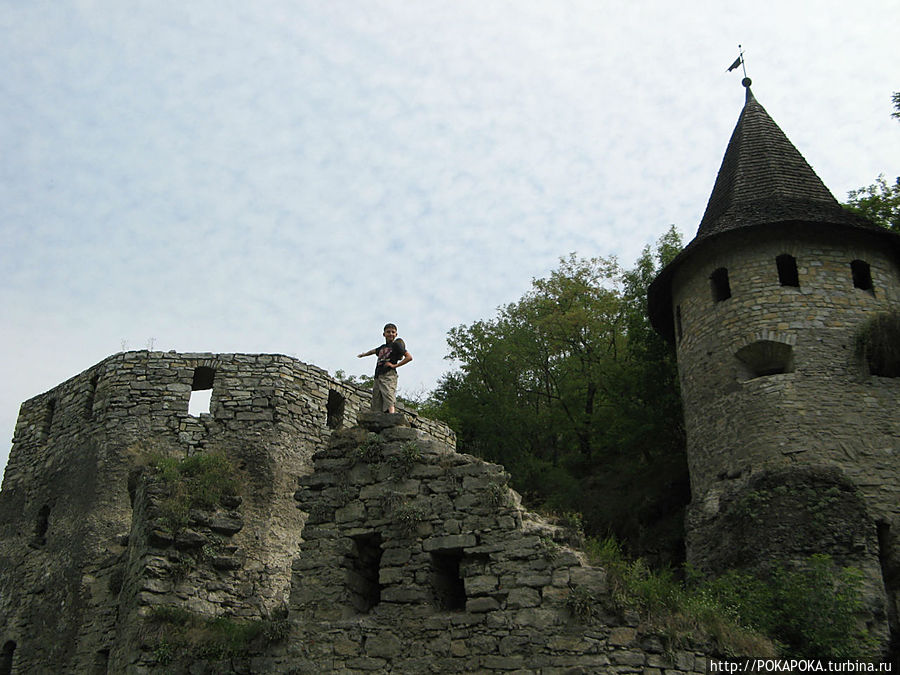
389, 325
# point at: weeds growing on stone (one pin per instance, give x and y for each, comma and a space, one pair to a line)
179, 633
198, 481
802, 612
402, 463
370, 450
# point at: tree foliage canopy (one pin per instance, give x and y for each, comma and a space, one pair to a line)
572, 390
880, 201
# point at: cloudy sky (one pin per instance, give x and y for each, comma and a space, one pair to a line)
288, 175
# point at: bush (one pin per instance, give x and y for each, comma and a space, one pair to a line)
878, 342
178, 633
808, 611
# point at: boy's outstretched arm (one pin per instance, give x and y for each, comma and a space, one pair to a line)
368, 353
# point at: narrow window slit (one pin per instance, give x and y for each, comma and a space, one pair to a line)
363, 572
721, 288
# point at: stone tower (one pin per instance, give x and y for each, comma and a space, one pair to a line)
793, 438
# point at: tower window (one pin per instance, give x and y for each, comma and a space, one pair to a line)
447, 586
787, 270
721, 289
334, 410
363, 569
766, 357
201, 390
862, 275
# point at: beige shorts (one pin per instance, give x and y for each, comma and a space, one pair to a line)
384, 392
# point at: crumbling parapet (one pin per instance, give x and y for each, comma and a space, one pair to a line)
418, 559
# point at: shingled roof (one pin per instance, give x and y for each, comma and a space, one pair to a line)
763, 181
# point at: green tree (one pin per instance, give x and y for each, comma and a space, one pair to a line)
572, 390
880, 201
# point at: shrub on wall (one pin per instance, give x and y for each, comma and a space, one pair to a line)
878, 341
199, 481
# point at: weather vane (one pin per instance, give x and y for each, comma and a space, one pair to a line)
739, 61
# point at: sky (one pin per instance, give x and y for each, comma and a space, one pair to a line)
286, 176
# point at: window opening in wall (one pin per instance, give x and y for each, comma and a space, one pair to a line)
42, 525
679, 331
765, 357
721, 289
787, 270
201, 390
447, 585
334, 410
363, 569
101, 662
6, 657
49, 412
89, 403
862, 274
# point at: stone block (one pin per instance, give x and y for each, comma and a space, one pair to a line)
481, 605
523, 597
449, 542
375, 421
622, 636
384, 645
481, 584
227, 525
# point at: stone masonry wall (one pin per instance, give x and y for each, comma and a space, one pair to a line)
824, 412
65, 506
417, 559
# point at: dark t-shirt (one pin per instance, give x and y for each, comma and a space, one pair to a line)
389, 351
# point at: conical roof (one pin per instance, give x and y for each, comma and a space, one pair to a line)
763, 181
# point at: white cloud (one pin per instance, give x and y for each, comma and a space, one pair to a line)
255, 177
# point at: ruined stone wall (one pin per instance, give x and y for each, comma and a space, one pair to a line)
772, 383
417, 559
65, 507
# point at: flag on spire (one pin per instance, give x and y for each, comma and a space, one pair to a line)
736, 63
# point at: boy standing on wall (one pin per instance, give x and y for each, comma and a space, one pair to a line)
391, 355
